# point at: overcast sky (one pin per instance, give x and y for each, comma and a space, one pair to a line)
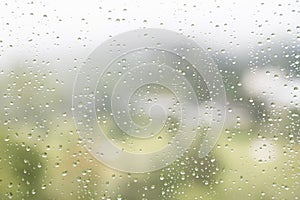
70, 30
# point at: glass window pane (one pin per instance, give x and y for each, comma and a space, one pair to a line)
149, 99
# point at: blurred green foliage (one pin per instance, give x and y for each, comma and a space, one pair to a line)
42, 157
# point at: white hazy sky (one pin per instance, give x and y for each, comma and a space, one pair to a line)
51, 29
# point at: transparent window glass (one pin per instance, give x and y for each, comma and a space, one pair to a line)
150, 99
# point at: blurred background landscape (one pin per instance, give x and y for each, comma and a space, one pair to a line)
256, 47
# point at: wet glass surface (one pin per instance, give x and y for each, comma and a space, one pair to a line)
149, 100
